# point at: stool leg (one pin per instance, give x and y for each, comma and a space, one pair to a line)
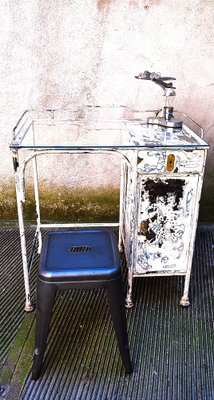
45, 301
116, 300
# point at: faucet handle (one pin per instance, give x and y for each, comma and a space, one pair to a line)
157, 78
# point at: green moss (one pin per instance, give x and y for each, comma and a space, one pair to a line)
88, 204
61, 204
19, 359
8, 210
25, 361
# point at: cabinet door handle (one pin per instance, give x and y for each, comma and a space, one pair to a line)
170, 164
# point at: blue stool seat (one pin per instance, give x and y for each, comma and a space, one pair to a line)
79, 259
81, 255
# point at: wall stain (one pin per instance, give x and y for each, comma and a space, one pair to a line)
151, 3
135, 3
101, 4
62, 204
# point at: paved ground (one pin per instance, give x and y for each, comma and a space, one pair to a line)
172, 348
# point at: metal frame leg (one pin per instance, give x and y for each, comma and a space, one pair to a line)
28, 304
129, 303
45, 301
185, 298
20, 197
122, 204
133, 227
37, 203
116, 302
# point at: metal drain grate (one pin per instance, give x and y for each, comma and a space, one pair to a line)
79, 249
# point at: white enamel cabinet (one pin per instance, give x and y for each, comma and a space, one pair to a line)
161, 215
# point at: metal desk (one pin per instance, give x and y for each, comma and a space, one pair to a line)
161, 179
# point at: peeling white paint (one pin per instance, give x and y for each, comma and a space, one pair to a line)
161, 205
185, 161
166, 248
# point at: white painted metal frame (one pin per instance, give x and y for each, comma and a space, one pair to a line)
128, 214
20, 194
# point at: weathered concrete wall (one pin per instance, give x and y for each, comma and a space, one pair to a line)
62, 53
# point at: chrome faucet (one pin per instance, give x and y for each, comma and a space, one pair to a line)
166, 119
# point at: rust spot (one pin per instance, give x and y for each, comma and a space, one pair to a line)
154, 2
146, 231
101, 4
144, 225
162, 189
47, 101
134, 3
127, 114
151, 3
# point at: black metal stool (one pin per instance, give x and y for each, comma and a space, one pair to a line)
83, 259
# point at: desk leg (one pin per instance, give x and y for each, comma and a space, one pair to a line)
185, 298
122, 205
129, 303
37, 203
28, 304
132, 209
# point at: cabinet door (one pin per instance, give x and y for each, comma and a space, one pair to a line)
166, 212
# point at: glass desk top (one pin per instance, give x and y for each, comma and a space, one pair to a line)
97, 128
